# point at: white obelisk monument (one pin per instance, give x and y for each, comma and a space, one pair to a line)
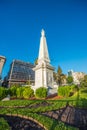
43, 70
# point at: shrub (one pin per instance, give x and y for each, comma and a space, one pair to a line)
19, 92
13, 91
7, 91
28, 92
41, 92
4, 125
83, 84
67, 91
74, 88
2, 93
64, 91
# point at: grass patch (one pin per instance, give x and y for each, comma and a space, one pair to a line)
4, 125
83, 93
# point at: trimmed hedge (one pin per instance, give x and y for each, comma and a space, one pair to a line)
41, 92
3, 93
64, 91
28, 92
67, 91
13, 91
19, 92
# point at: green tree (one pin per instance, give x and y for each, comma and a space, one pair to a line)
83, 83
54, 76
59, 71
69, 79
60, 76
85, 77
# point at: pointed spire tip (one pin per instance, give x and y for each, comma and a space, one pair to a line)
42, 32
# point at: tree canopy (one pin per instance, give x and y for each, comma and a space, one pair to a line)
69, 79
83, 83
59, 76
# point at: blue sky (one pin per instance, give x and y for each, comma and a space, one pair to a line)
65, 24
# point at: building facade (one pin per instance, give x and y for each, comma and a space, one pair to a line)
77, 76
20, 72
2, 62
